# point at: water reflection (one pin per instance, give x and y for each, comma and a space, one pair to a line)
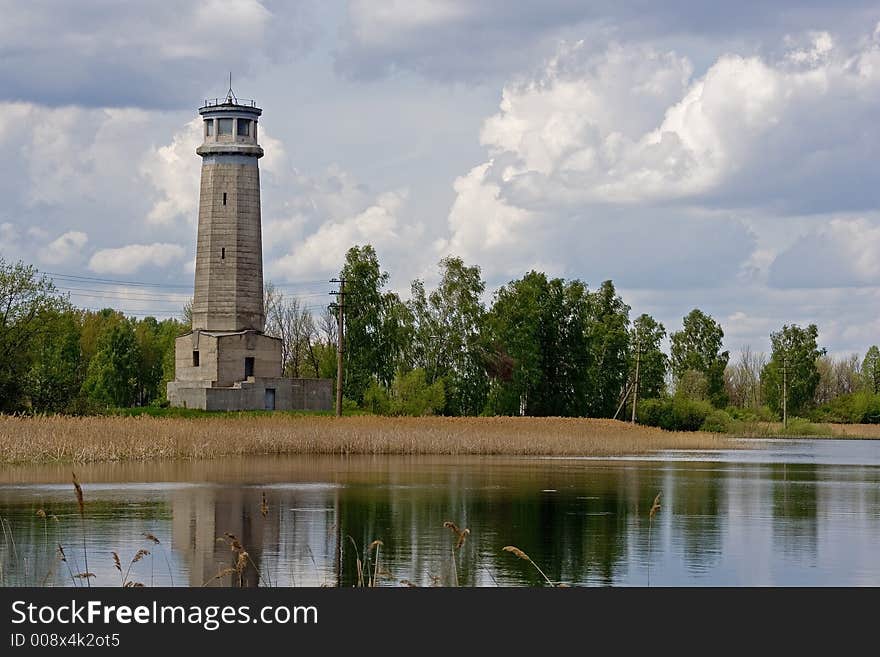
737, 521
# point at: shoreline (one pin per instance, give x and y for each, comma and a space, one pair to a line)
77, 440
122, 438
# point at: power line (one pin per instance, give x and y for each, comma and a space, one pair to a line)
136, 296
107, 294
164, 311
142, 312
116, 281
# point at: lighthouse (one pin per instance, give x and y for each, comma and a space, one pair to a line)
229, 252
226, 361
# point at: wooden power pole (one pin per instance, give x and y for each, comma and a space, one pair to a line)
340, 340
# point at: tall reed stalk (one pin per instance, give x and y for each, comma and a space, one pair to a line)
522, 555
460, 537
80, 501
155, 541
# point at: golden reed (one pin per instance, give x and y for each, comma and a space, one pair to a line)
54, 439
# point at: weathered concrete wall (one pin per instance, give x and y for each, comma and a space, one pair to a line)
229, 256
290, 394
221, 358
186, 394
184, 346
313, 394
233, 349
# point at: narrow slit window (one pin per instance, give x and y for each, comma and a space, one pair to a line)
248, 367
195, 358
209, 128
224, 198
223, 253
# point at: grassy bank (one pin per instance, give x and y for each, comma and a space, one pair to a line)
49, 439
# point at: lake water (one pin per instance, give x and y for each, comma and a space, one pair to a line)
786, 513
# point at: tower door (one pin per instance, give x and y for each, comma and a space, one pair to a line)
270, 399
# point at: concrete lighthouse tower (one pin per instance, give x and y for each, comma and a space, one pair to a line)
226, 362
229, 254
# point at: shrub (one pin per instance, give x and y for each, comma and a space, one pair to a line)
717, 421
674, 414
798, 426
410, 394
752, 414
860, 408
376, 400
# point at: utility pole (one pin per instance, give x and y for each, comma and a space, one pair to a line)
636, 383
340, 339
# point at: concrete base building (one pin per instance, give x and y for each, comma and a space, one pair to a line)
226, 362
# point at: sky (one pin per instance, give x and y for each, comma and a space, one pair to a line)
713, 155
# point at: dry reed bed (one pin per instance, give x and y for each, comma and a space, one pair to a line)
869, 431
92, 439
813, 430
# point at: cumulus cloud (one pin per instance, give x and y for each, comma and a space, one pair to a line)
133, 257
631, 125
842, 252
65, 248
324, 250
627, 136
173, 171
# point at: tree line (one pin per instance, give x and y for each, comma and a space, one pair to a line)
543, 346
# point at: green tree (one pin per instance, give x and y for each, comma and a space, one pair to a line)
697, 347
793, 348
28, 301
56, 372
169, 331
150, 350
378, 325
112, 378
446, 335
93, 325
537, 330
871, 370
609, 341
646, 338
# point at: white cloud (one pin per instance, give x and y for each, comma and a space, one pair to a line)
481, 222
842, 252
324, 250
817, 50
173, 170
65, 248
631, 126
129, 259
592, 135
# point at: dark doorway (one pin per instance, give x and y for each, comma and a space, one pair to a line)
248, 367
270, 399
